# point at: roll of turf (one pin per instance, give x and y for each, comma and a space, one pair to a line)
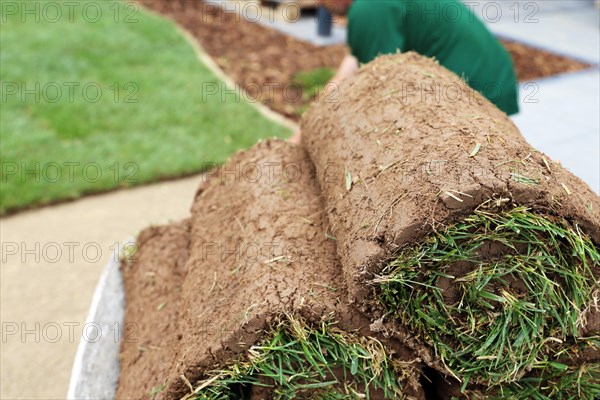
263, 302
424, 220
457, 235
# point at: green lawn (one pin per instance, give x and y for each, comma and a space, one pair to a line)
107, 96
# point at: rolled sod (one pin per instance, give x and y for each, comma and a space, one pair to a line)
416, 246
263, 262
453, 232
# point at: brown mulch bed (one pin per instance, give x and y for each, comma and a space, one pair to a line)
531, 63
264, 61
259, 59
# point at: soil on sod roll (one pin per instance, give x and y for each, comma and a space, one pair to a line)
253, 224
153, 277
407, 149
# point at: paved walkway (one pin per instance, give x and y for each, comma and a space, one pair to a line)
568, 27
559, 115
49, 297
280, 19
565, 123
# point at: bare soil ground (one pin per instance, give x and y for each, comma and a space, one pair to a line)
531, 63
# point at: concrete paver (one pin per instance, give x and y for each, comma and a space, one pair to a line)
568, 27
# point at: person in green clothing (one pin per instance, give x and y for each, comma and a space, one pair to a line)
444, 29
